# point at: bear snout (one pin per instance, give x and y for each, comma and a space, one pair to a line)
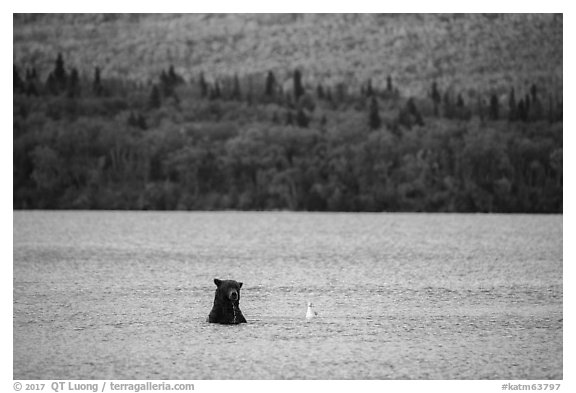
233, 295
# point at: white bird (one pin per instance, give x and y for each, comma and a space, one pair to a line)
310, 313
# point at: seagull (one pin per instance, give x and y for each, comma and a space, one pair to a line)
310, 313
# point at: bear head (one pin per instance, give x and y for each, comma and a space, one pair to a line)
228, 290
226, 307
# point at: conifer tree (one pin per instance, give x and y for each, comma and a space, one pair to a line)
435, 94
166, 84
289, 118
459, 101
374, 116
534, 92
31, 89
52, 84
141, 122
236, 88
537, 110
298, 88
448, 109
512, 107
481, 108
73, 88
340, 94
369, 89
436, 98
18, 83
164, 78
320, 92
329, 97
522, 113
494, 109
203, 86
155, 101
527, 106
173, 77
301, 118
97, 83
389, 86
270, 84
60, 72
413, 110
275, 118
216, 93
31, 74
132, 119
550, 110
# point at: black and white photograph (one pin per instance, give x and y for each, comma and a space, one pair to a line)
274, 196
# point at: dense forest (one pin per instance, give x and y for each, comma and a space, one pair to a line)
85, 140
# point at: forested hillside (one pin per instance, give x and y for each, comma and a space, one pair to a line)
465, 52
298, 112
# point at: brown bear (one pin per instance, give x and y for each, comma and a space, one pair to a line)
226, 303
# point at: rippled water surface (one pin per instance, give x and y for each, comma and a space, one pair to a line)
112, 295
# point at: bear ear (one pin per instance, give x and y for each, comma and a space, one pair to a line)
217, 282
240, 285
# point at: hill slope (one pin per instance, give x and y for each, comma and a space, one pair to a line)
469, 52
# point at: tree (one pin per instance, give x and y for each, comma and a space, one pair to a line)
341, 93
236, 89
52, 84
436, 98
275, 118
448, 108
494, 109
522, 112
369, 89
137, 121
215, 92
155, 101
389, 86
30, 84
329, 97
534, 92
512, 107
301, 118
410, 115
173, 77
141, 122
169, 80
18, 84
320, 92
31, 74
536, 109
49, 169
60, 71
31, 89
270, 84
74, 84
298, 88
132, 122
57, 79
97, 83
527, 104
203, 86
374, 117
461, 112
459, 101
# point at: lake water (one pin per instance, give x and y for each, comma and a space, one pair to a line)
125, 295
